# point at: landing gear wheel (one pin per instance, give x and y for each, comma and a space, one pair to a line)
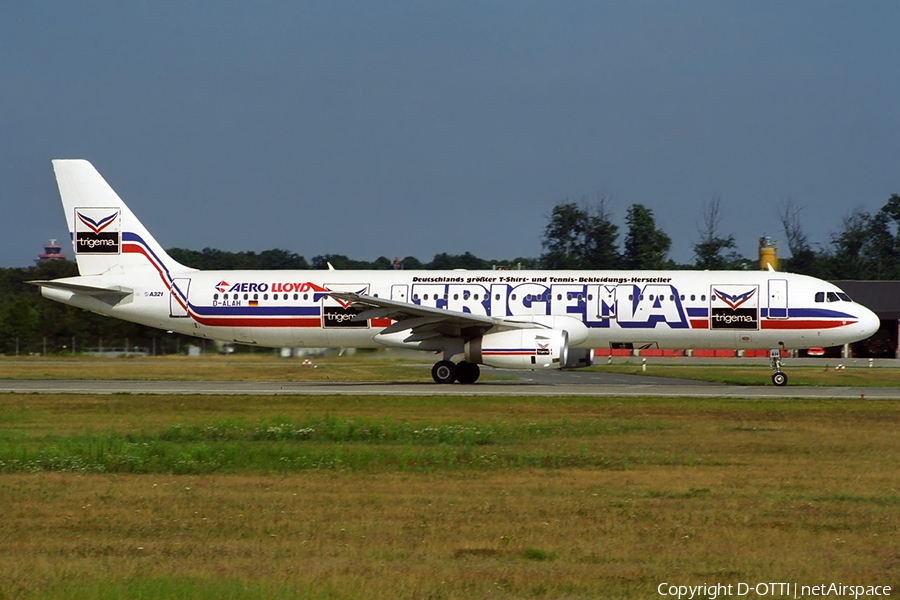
443, 371
467, 372
778, 378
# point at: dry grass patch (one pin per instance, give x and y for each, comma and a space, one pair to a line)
569, 534
369, 366
688, 491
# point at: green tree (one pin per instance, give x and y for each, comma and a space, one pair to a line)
646, 246
382, 263
411, 263
708, 252
339, 262
564, 237
579, 237
884, 240
277, 259
803, 258
221, 260
849, 258
467, 261
19, 324
601, 244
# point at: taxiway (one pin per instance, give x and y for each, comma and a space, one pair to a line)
528, 383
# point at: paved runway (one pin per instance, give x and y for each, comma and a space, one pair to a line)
555, 383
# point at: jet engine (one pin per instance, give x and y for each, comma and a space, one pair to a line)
520, 349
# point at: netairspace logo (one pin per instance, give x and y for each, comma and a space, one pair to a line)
779, 589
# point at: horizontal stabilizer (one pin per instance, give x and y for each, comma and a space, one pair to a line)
87, 290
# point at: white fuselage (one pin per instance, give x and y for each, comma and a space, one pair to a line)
665, 309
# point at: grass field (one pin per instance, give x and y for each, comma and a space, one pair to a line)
368, 366
435, 497
373, 366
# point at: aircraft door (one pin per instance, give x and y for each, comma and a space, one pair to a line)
178, 298
398, 292
778, 299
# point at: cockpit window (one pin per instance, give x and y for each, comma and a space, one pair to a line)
832, 297
844, 297
820, 296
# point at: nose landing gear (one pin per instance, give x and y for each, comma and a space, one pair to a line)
778, 378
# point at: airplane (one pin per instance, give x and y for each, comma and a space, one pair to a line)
504, 319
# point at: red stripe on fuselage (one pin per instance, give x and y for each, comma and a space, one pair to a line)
798, 324
699, 324
132, 248
257, 321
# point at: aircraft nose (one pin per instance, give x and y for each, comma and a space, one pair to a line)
868, 322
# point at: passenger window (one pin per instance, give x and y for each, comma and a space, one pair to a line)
496, 296
512, 297
671, 296
590, 296
256, 296
296, 296
246, 296
305, 296
215, 296
265, 296
703, 298
693, 297
820, 296
475, 297
225, 297
580, 297
426, 297
559, 296
631, 296
642, 297
682, 297
456, 296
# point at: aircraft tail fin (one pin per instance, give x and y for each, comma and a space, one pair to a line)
106, 236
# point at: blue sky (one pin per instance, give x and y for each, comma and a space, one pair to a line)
413, 128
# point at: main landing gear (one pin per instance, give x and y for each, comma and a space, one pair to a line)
778, 378
445, 371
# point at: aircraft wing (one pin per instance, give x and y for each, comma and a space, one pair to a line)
424, 321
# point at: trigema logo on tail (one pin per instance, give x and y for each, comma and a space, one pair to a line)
97, 231
741, 310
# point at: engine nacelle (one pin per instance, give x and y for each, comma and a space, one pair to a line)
520, 349
579, 357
